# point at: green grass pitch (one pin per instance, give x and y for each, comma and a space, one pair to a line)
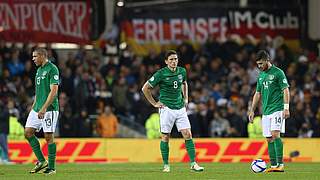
153, 171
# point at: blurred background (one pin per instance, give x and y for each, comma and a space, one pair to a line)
105, 51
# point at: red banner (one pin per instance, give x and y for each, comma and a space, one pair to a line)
219, 23
45, 21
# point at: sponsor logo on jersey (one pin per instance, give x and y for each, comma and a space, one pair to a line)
152, 78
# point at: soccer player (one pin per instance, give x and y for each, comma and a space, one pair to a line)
273, 89
45, 111
173, 99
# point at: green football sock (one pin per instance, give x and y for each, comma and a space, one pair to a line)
279, 150
35, 145
164, 147
52, 155
272, 153
191, 150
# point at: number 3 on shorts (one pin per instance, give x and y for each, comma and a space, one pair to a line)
48, 122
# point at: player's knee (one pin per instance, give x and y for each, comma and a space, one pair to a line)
48, 138
28, 133
275, 135
165, 137
186, 134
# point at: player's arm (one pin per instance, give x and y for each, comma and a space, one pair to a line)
49, 100
34, 102
185, 92
255, 102
286, 101
146, 89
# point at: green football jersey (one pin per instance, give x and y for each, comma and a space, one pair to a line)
170, 86
270, 84
46, 75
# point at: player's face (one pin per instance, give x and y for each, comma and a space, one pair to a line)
172, 61
262, 65
37, 58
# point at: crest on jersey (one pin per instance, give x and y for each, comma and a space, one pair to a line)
180, 76
271, 77
152, 78
55, 77
285, 81
44, 73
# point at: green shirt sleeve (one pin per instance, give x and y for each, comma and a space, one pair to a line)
54, 76
282, 80
155, 79
258, 89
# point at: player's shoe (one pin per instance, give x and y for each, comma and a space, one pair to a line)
166, 168
49, 171
279, 168
39, 166
196, 167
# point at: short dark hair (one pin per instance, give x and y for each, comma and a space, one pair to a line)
263, 55
169, 53
41, 51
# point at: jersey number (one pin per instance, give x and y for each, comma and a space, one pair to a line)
277, 120
175, 84
48, 122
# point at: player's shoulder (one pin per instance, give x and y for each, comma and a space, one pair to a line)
277, 69
181, 69
163, 70
52, 66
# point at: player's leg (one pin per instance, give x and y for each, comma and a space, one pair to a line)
164, 148
166, 124
266, 131
184, 127
277, 127
276, 123
51, 153
49, 126
32, 124
4, 147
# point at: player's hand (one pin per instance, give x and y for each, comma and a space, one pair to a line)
159, 105
41, 113
251, 116
286, 113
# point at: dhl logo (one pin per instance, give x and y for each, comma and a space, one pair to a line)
67, 151
116, 150
233, 152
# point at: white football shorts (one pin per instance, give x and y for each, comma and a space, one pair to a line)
272, 122
169, 117
48, 123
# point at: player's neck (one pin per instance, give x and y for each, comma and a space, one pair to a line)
172, 69
44, 62
269, 65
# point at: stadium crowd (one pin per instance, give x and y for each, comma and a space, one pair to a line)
221, 77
